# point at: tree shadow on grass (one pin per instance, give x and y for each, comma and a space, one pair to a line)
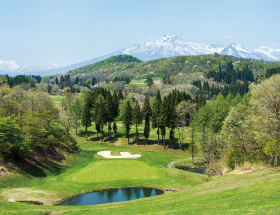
143, 142
83, 133
43, 162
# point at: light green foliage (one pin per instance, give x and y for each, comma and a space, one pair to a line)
12, 142
114, 170
45, 79
272, 148
265, 102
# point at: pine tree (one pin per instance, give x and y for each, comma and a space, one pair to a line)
137, 118
120, 95
110, 111
156, 114
163, 119
127, 119
86, 114
116, 104
76, 111
115, 128
147, 112
171, 122
101, 119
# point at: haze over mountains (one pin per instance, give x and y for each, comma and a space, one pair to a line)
166, 46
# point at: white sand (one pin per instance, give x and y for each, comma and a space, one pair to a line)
107, 154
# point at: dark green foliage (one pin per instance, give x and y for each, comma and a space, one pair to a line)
272, 71
101, 119
163, 118
149, 81
171, 121
109, 106
120, 95
115, 105
127, 119
93, 81
115, 128
209, 92
137, 118
156, 114
86, 113
125, 79
20, 79
147, 112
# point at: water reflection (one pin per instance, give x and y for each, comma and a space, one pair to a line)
196, 170
118, 195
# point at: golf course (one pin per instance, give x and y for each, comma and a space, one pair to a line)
184, 192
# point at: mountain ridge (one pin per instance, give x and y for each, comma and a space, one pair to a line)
166, 46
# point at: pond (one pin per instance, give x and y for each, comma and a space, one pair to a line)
118, 195
196, 170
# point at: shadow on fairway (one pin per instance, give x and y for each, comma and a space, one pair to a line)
83, 133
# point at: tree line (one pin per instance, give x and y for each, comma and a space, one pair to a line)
103, 108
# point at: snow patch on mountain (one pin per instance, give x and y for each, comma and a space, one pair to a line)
270, 52
12, 67
168, 46
164, 47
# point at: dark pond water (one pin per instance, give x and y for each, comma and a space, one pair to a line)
119, 195
196, 170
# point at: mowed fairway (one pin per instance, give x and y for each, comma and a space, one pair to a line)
114, 170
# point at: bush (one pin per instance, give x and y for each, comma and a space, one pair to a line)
215, 168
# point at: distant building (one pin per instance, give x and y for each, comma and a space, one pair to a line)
208, 61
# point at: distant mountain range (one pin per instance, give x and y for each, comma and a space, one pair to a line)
166, 46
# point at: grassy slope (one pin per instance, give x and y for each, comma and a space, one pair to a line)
253, 193
56, 99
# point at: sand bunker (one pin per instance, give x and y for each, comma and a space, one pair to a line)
107, 154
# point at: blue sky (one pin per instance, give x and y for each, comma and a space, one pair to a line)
43, 32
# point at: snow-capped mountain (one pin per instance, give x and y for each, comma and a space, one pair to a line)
273, 54
170, 46
166, 46
12, 67
237, 50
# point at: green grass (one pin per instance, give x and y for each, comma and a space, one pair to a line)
114, 170
56, 99
139, 83
252, 193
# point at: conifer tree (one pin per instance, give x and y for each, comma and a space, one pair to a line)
156, 114
115, 128
147, 112
116, 104
101, 119
110, 111
127, 119
137, 118
95, 115
120, 95
86, 114
163, 118
171, 122
76, 111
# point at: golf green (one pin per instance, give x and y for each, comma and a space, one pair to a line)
114, 170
